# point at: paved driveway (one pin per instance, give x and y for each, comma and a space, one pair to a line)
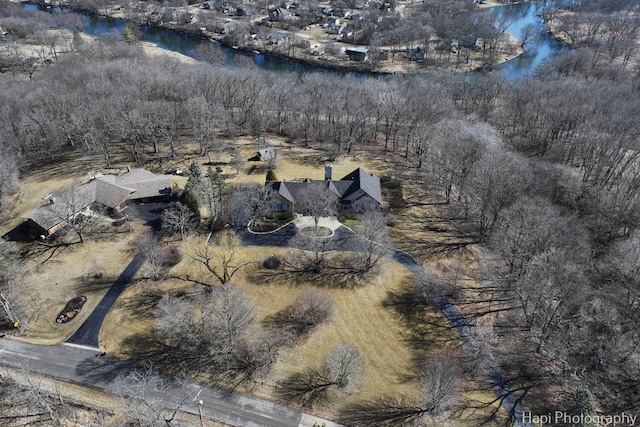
89, 332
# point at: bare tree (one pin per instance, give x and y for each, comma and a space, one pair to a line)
25, 400
178, 219
232, 315
440, 383
9, 176
375, 242
237, 160
340, 370
250, 202
495, 181
175, 325
212, 328
10, 269
532, 225
222, 258
528, 34
256, 355
456, 147
311, 308
150, 245
342, 365
317, 201
148, 399
312, 254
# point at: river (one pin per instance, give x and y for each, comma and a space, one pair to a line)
542, 46
521, 14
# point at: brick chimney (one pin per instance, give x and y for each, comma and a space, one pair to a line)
328, 170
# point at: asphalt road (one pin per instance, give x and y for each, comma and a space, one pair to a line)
82, 365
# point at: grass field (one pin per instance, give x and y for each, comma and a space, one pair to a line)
361, 319
68, 273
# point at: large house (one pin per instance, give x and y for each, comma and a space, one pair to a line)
106, 193
357, 192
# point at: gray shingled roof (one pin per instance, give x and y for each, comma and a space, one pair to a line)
65, 205
297, 189
109, 190
363, 183
352, 187
144, 184
110, 195
281, 189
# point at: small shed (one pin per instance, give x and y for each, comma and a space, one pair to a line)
264, 155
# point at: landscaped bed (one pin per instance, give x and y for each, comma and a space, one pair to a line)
316, 231
72, 308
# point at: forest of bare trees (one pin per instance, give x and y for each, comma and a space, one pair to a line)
544, 172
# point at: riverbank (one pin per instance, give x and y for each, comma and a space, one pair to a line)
613, 40
496, 3
386, 60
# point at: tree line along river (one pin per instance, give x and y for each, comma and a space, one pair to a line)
521, 15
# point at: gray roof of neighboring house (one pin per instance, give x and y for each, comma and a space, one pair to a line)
109, 194
282, 11
144, 184
109, 190
63, 205
357, 50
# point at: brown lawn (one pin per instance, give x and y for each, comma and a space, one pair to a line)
359, 320
388, 339
68, 274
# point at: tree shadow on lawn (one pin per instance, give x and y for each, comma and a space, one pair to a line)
429, 249
86, 284
423, 331
141, 305
42, 252
336, 279
315, 158
284, 320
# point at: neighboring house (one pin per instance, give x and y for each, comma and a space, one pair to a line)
358, 191
280, 14
417, 54
104, 192
357, 53
243, 11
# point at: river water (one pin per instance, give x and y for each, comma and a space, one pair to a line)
542, 45
521, 14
